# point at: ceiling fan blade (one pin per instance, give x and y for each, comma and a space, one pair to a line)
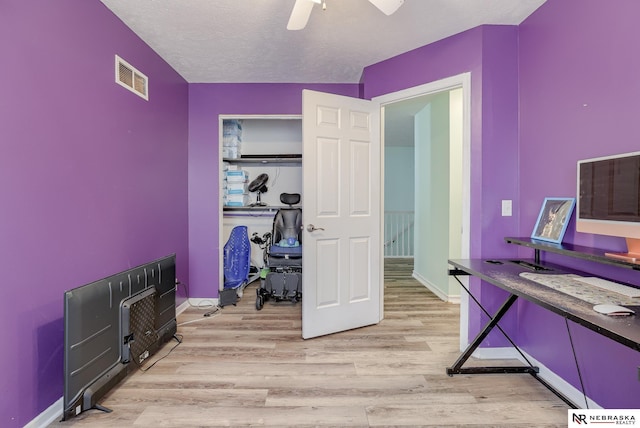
300, 14
387, 7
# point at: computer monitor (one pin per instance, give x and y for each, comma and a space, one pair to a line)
608, 201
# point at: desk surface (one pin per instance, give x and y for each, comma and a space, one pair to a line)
625, 330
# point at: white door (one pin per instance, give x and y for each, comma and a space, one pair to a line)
342, 256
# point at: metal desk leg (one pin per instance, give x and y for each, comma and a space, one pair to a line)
493, 322
457, 366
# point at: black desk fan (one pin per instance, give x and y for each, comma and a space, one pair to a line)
259, 185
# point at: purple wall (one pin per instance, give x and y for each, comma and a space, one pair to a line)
93, 179
206, 103
578, 99
490, 54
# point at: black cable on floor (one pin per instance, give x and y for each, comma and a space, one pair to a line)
211, 312
177, 337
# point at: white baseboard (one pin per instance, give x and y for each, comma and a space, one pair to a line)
497, 354
558, 383
49, 416
202, 303
454, 298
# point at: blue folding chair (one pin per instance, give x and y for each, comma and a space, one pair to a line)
237, 258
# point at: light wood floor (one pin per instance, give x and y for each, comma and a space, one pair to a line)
243, 367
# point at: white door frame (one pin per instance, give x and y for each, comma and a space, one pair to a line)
459, 81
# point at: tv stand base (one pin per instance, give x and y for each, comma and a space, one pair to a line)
102, 408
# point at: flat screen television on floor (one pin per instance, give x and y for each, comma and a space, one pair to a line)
111, 326
609, 200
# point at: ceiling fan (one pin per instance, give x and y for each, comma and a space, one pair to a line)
302, 10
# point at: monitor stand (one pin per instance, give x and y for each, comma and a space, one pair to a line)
633, 252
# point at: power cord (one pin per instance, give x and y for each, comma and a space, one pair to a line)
212, 312
178, 337
575, 358
200, 306
209, 315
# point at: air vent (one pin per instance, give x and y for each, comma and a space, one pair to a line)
129, 77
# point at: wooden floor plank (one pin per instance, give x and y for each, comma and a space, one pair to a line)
241, 367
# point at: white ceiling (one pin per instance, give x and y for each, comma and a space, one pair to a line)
246, 41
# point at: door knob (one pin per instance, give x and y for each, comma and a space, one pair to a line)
311, 228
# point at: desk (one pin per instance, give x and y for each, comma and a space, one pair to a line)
506, 275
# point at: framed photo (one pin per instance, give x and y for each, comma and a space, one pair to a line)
553, 219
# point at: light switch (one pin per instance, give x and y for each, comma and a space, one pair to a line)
506, 207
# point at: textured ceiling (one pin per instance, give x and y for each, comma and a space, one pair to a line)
245, 41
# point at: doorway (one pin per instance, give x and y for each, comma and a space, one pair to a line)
435, 120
